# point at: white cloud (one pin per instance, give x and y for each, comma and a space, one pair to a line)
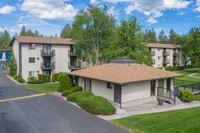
152, 8
114, 12
197, 5
1, 29
198, 16
21, 25
50, 9
7, 9
182, 13
94, 2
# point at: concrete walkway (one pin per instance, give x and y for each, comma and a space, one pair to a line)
149, 108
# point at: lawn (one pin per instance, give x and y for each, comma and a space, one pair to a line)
178, 121
197, 75
47, 88
186, 77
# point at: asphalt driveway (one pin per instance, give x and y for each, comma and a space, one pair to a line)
45, 114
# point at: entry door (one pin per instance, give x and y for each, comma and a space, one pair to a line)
160, 86
153, 86
117, 93
168, 84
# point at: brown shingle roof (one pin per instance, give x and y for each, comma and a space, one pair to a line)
124, 73
43, 40
158, 45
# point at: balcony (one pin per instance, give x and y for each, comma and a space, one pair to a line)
71, 53
48, 53
175, 61
153, 61
153, 53
48, 66
165, 53
75, 65
175, 53
166, 61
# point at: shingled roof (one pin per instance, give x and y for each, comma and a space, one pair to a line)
42, 40
158, 45
124, 73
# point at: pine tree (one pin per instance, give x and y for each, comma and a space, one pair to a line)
12, 65
172, 36
162, 37
23, 31
65, 33
30, 33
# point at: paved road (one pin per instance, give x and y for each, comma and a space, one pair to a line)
45, 114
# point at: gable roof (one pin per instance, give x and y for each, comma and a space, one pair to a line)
124, 73
158, 45
42, 40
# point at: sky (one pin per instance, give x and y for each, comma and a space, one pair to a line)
50, 16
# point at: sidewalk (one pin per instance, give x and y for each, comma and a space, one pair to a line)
148, 108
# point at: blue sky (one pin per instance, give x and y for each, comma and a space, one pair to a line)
50, 16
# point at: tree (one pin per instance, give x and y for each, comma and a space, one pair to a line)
29, 33
65, 82
191, 46
65, 33
172, 36
4, 39
149, 36
162, 37
93, 29
23, 31
129, 43
12, 65
36, 33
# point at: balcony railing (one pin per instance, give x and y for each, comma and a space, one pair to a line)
48, 66
166, 61
71, 53
165, 53
153, 53
76, 65
175, 53
176, 61
48, 53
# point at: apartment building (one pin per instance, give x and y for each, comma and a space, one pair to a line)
164, 55
43, 55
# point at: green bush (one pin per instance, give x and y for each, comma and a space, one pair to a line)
66, 92
20, 80
76, 88
35, 81
15, 77
187, 96
45, 78
31, 78
55, 77
65, 82
12, 65
197, 97
8, 73
77, 96
97, 105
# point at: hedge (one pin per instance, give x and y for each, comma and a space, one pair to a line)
15, 77
65, 82
8, 73
45, 78
178, 68
66, 92
91, 103
35, 81
31, 78
187, 96
20, 80
72, 90
55, 77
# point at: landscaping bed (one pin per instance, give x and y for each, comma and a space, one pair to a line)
178, 121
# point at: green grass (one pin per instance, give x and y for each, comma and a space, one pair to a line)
188, 72
47, 88
178, 121
197, 75
197, 97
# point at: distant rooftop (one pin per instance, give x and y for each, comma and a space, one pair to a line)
123, 60
159, 45
5, 50
42, 40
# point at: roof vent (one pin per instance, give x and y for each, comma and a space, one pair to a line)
123, 60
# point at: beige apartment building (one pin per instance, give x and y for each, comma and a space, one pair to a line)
43, 55
164, 55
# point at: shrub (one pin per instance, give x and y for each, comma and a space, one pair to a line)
66, 92
35, 81
187, 96
31, 78
76, 88
20, 80
77, 96
8, 73
197, 97
15, 77
55, 77
12, 65
65, 82
45, 78
97, 105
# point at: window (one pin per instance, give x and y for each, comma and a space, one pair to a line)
31, 73
31, 59
32, 46
158, 49
158, 57
109, 85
